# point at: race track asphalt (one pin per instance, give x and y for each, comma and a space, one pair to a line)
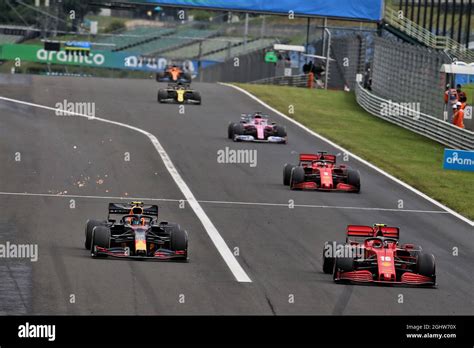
279, 248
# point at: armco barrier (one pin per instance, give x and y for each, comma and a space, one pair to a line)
295, 80
418, 122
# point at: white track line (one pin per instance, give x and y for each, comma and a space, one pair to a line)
211, 230
384, 173
285, 205
262, 204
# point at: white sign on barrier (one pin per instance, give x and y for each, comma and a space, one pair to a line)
94, 28
468, 113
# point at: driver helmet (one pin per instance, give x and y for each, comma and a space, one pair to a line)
378, 229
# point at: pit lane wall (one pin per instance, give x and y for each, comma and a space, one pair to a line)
96, 59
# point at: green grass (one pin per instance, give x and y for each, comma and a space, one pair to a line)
469, 90
410, 157
105, 21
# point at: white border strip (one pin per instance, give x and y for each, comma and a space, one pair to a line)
211, 230
398, 181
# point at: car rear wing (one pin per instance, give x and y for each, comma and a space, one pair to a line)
125, 209
174, 84
357, 232
391, 232
307, 157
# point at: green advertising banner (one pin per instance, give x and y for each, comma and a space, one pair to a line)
32, 53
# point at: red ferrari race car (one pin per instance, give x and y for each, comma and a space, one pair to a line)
373, 254
320, 172
133, 231
257, 128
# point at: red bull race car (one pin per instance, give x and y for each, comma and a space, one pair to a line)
373, 254
320, 172
133, 231
257, 128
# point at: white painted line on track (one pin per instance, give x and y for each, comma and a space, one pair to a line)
285, 205
282, 205
380, 171
211, 230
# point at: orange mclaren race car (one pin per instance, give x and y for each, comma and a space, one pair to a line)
173, 74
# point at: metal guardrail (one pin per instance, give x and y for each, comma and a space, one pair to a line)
405, 25
295, 81
426, 125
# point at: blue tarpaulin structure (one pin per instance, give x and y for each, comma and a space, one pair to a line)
365, 10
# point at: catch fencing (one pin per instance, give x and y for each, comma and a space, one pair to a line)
294, 81
407, 73
244, 68
414, 120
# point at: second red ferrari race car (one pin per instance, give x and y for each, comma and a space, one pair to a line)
320, 172
373, 254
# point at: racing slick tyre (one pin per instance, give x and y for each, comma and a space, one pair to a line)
239, 130
425, 265
178, 239
160, 76
287, 173
162, 95
280, 131
90, 224
297, 176
344, 264
328, 261
197, 97
187, 77
100, 238
353, 179
230, 130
